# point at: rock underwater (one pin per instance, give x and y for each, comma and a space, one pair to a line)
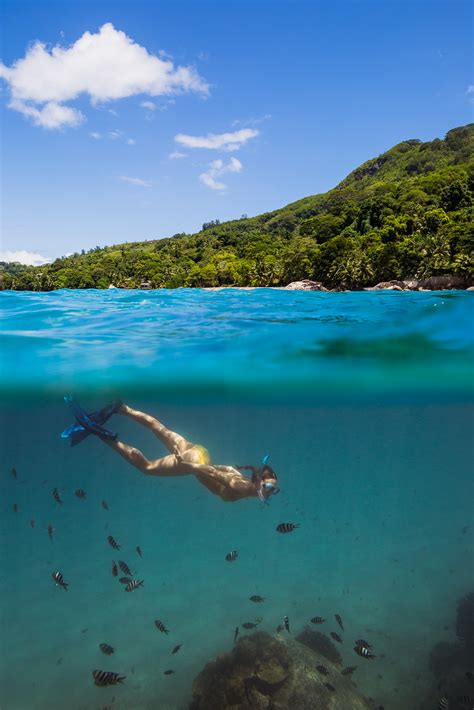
263, 672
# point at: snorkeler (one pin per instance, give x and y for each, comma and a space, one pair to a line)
184, 458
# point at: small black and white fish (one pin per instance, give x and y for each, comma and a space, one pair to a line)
232, 556
348, 670
465, 701
287, 527
104, 504
363, 651
104, 678
286, 621
114, 569
317, 620
363, 642
176, 648
256, 598
322, 669
139, 550
125, 580
59, 580
443, 703
125, 568
330, 687
105, 648
134, 584
113, 542
161, 627
80, 494
249, 625
56, 496
339, 621
168, 672
236, 633
335, 636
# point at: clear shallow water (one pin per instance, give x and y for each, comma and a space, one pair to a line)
379, 475
274, 339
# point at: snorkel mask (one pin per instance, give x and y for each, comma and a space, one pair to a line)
266, 488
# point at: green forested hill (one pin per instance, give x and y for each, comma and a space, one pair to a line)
407, 213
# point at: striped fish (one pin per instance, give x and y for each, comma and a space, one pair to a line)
113, 542
161, 627
349, 670
232, 556
335, 636
56, 496
104, 678
287, 527
114, 569
339, 621
363, 651
465, 701
176, 648
317, 620
134, 584
125, 568
286, 621
322, 669
257, 598
80, 493
125, 580
105, 648
139, 550
59, 580
443, 704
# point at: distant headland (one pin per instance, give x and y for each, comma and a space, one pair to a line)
402, 220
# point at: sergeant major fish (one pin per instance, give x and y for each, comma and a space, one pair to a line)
113, 542
161, 627
232, 556
134, 584
105, 648
56, 496
287, 527
256, 598
59, 580
363, 651
104, 678
339, 621
125, 568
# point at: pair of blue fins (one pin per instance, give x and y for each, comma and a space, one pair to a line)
87, 424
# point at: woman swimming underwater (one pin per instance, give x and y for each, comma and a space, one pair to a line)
184, 458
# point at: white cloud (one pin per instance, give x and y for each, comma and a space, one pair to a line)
95, 135
135, 181
218, 141
29, 258
115, 134
216, 169
470, 89
176, 155
106, 66
131, 141
149, 105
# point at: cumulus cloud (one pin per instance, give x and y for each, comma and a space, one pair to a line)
216, 169
106, 66
135, 181
176, 155
149, 105
29, 258
218, 141
95, 135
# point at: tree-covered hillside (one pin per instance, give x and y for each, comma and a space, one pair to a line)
407, 213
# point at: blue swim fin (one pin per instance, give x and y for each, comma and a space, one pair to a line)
87, 424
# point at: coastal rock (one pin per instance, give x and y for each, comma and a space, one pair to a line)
273, 674
306, 285
389, 286
438, 283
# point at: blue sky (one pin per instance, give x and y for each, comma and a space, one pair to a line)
125, 121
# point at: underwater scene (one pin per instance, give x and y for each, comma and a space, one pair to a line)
236, 499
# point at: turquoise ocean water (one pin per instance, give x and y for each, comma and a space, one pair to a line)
364, 402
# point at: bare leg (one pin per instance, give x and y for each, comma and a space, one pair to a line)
165, 466
169, 438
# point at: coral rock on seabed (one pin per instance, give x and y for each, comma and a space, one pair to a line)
265, 673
